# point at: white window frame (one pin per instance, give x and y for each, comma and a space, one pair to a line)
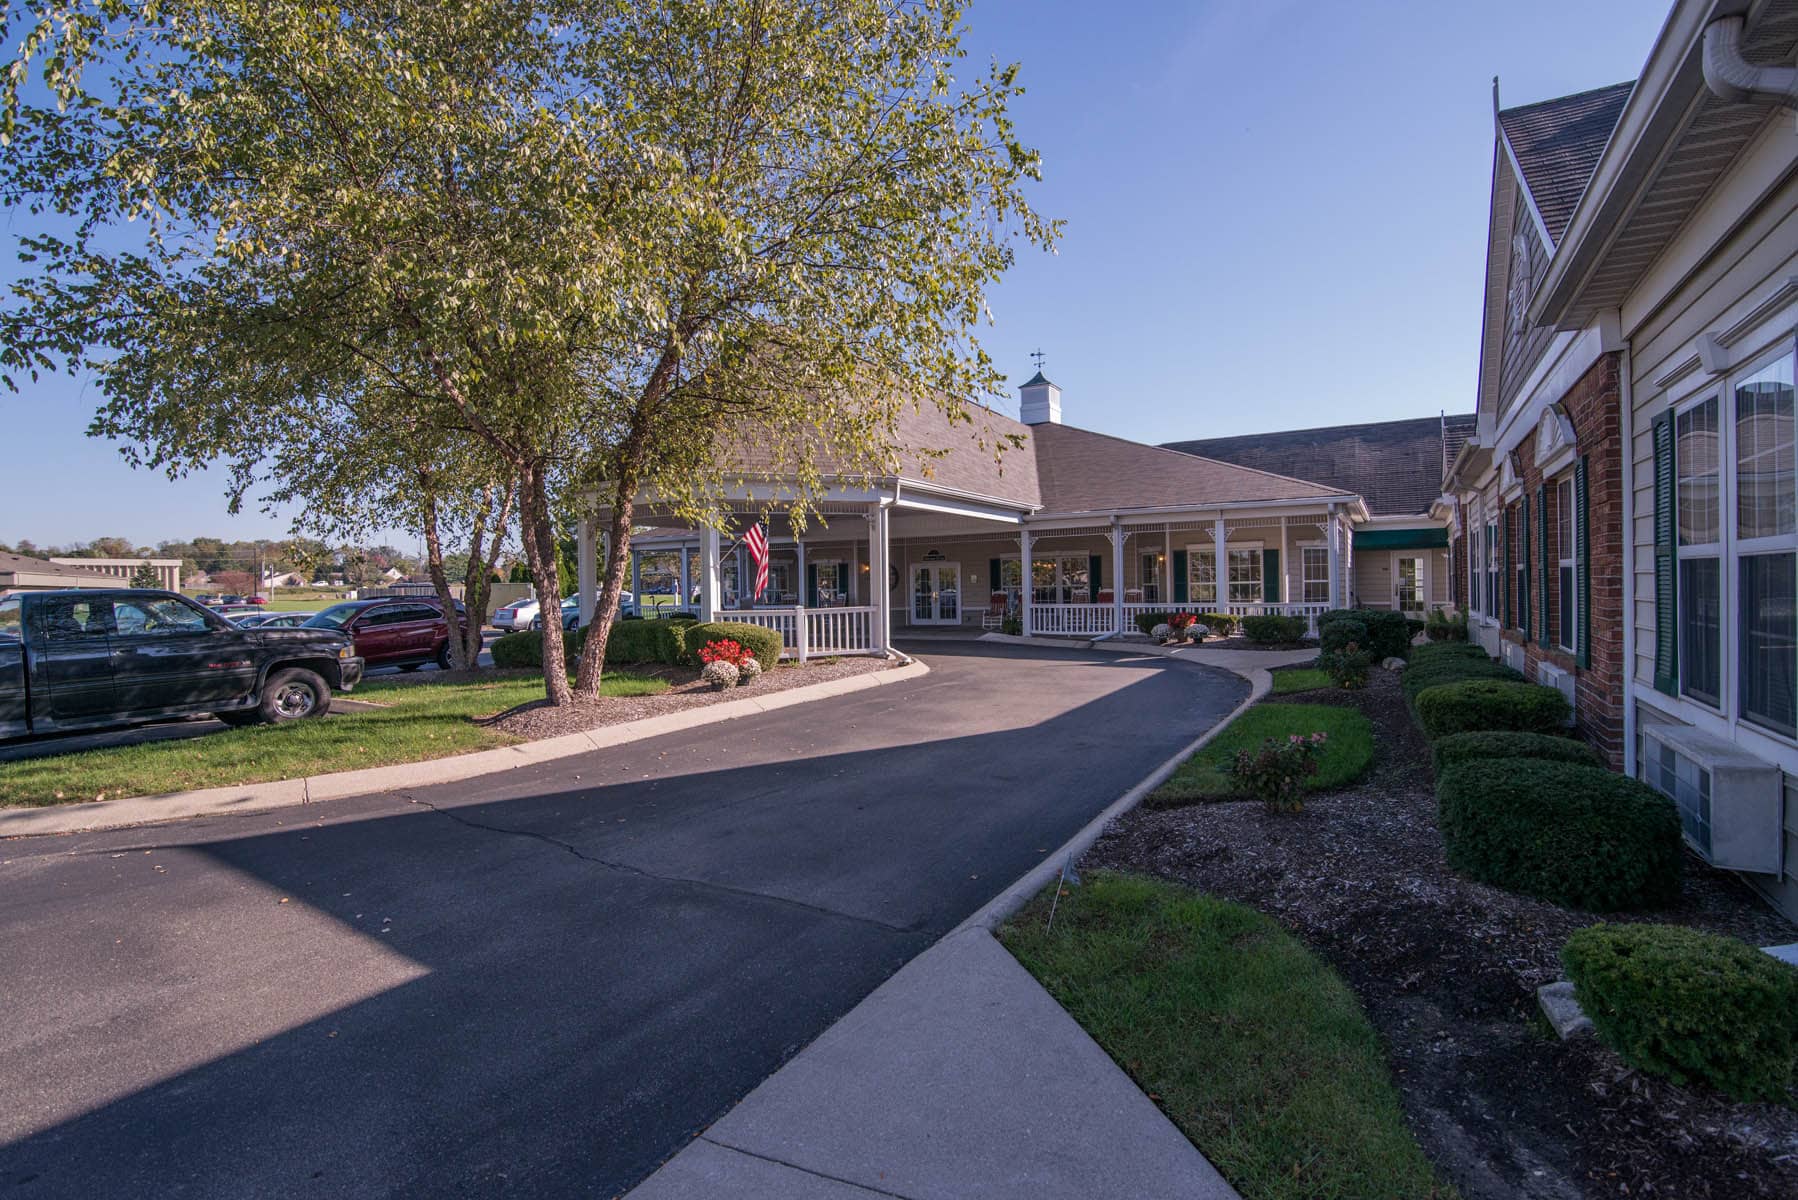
1566, 531
1725, 718
1306, 580
1062, 579
1494, 609
1246, 551
1194, 556
1476, 559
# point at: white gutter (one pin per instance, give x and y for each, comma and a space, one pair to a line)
1734, 79
1626, 684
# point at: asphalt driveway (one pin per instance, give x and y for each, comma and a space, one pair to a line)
543, 983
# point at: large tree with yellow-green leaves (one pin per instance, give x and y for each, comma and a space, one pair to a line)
607, 241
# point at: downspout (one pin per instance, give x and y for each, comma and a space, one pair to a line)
1734, 79
1626, 400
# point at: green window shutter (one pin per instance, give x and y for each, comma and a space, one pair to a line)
1523, 556
1094, 565
1181, 583
995, 576
1507, 579
1542, 532
1666, 561
1582, 567
1270, 576
811, 585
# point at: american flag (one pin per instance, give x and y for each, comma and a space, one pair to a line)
756, 540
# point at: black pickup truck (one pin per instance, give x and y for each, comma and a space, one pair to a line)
83, 659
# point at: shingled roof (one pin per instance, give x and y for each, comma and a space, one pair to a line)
1082, 471
23, 564
1557, 144
1396, 466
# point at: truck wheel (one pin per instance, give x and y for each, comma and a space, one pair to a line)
292, 695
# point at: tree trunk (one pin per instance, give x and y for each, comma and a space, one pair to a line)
538, 533
439, 577
605, 613
482, 557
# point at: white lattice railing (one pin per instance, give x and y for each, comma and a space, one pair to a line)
1072, 618
805, 632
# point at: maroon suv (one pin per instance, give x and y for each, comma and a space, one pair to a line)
394, 631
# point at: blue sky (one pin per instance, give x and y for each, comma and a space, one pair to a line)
1275, 219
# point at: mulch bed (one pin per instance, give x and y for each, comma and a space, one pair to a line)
1447, 970
540, 720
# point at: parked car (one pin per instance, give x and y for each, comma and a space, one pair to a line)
84, 659
517, 615
284, 620
256, 600
393, 631
230, 599
234, 611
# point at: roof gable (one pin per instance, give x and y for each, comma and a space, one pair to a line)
1557, 142
1396, 466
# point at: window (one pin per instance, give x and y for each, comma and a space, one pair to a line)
1520, 566
1151, 578
1697, 465
1315, 563
1767, 588
159, 616
71, 620
12, 628
1245, 576
1476, 555
1566, 580
1201, 576
1060, 580
1011, 582
1493, 608
831, 578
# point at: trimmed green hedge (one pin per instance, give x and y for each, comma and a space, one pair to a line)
759, 640
1468, 747
1689, 1005
1222, 624
1572, 834
1387, 634
1420, 677
1476, 705
1274, 629
525, 648
1442, 652
1339, 634
659, 641
1146, 621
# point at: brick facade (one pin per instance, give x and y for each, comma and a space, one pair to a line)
1592, 407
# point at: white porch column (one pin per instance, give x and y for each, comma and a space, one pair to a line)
1029, 583
1333, 531
880, 554
710, 577
686, 590
1220, 568
1117, 576
1286, 596
799, 589
586, 566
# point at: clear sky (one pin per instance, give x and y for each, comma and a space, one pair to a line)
1275, 212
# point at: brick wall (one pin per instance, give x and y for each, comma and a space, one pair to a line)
1592, 408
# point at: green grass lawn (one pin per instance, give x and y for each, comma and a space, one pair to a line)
1206, 775
1298, 679
1249, 1043
423, 720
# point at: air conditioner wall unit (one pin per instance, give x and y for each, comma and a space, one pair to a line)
1730, 802
1516, 657
1549, 675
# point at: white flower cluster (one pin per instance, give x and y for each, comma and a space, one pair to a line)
719, 674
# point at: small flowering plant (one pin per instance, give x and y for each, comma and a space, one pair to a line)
726, 650
1276, 773
1178, 624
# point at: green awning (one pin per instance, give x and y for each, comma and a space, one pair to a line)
1400, 539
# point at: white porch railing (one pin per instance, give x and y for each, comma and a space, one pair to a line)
806, 632
1063, 619
1308, 611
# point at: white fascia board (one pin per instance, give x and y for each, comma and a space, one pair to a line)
1354, 503
1523, 183
911, 500
1404, 521
1670, 82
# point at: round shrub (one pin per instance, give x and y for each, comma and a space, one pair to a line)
1336, 635
1467, 747
1689, 1005
1385, 632
525, 648
651, 641
1573, 834
1222, 624
1347, 667
1273, 629
1420, 677
1437, 652
1473, 705
764, 643
1147, 621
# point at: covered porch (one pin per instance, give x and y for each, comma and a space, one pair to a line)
868, 567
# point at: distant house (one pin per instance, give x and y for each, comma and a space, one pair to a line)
20, 573
1400, 553
168, 570
287, 579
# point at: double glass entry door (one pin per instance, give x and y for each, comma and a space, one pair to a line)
936, 594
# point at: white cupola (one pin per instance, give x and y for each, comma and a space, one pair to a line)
1039, 401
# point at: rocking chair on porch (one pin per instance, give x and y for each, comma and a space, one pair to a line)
996, 608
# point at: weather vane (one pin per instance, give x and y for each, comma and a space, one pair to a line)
1037, 356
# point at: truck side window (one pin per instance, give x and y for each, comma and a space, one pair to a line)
158, 615
70, 620
12, 620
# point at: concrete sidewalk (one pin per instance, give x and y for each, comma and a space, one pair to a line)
958, 1077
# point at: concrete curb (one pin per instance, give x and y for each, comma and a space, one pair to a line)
995, 911
284, 793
